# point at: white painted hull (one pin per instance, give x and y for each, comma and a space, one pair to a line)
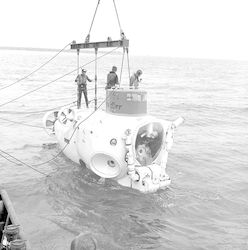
132, 150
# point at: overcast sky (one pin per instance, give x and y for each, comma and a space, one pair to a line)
170, 28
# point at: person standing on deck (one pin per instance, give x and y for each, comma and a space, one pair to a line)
112, 78
134, 79
82, 87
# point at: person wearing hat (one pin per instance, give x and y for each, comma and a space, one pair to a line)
84, 241
112, 78
134, 79
82, 88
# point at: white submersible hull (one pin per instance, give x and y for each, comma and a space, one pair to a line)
122, 143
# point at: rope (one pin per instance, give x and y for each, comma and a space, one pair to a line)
74, 132
96, 108
93, 19
122, 64
28, 125
56, 79
20, 123
128, 66
36, 69
117, 15
96, 79
9, 159
23, 163
45, 110
34, 126
35, 112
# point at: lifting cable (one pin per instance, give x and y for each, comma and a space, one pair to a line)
122, 37
96, 108
44, 110
128, 64
56, 79
61, 149
36, 69
75, 129
125, 49
117, 15
96, 78
34, 126
34, 112
122, 64
88, 36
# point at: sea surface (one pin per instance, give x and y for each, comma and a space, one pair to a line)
206, 205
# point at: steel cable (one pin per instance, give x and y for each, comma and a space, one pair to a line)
36, 69
56, 79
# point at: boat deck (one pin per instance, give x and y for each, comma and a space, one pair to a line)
8, 218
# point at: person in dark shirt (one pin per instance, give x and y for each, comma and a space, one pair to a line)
112, 78
82, 88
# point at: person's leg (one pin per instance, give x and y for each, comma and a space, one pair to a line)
86, 98
79, 99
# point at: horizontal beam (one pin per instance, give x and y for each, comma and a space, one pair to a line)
107, 44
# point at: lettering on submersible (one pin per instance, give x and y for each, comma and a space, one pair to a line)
114, 107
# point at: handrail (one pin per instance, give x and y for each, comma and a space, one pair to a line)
13, 217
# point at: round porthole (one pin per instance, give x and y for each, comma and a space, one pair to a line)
113, 142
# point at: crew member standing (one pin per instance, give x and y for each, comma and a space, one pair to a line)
82, 87
112, 78
134, 79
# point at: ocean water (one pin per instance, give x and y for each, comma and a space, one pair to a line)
205, 207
